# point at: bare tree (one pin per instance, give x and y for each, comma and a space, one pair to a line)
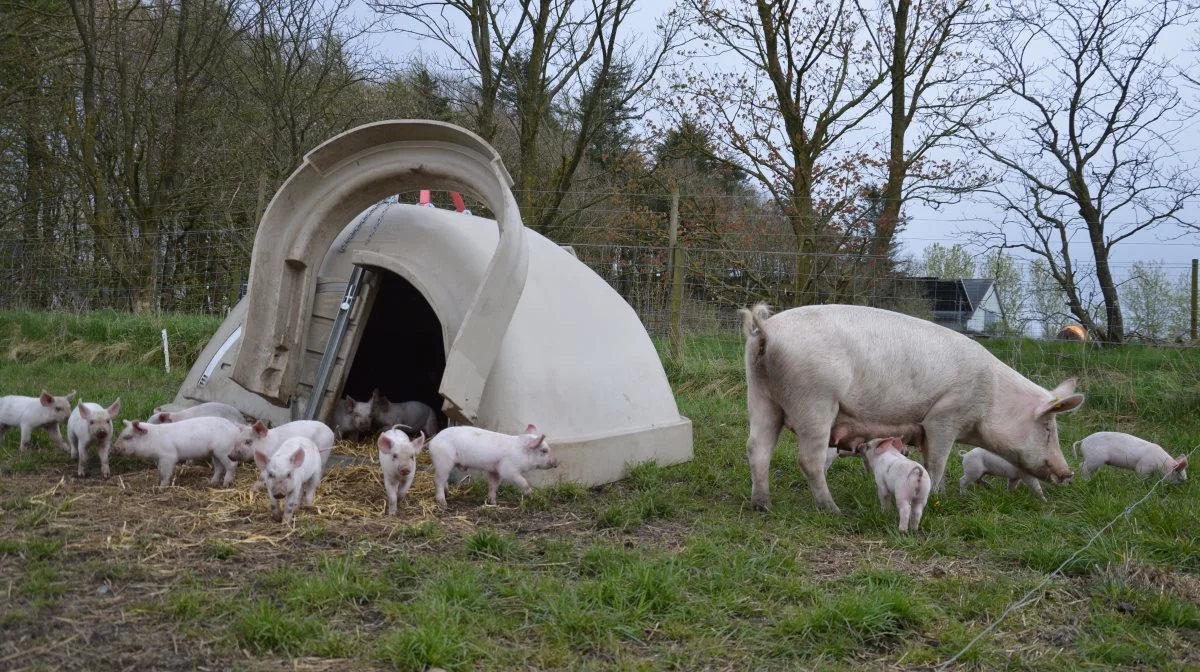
301, 60
937, 91
1089, 146
541, 58
807, 80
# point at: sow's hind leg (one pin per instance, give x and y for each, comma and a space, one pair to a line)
812, 426
766, 421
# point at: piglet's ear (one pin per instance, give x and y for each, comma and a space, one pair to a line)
112, 410
1180, 464
137, 427
260, 459
534, 441
298, 457
260, 429
419, 442
71, 394
349, 404
46, 399
385, 444
531, 429
84, 411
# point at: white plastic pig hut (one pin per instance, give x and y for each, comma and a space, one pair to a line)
491, 322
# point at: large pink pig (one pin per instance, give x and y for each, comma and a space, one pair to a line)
816, 367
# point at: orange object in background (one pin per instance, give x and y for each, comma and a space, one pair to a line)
1073, 332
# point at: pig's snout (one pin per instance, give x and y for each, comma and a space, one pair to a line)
280, 495
404, 471
1061, 479
552, 464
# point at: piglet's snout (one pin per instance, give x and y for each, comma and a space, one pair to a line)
404, 471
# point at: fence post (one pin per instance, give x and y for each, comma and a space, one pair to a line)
1195, 276
675, 273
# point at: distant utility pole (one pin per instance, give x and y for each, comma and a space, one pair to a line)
1195, 277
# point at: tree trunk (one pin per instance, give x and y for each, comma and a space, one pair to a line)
804, 226
532, 102
1115, 330
99, 212
885, 228
1115, 327
31, 207
485, 122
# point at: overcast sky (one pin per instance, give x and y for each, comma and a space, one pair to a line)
960, 223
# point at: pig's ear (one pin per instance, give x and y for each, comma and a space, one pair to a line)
112, 410
1065, 388
260, 459
1180, 464
137, 427
71, 394
298, 457
385, 444
84, 411
898, 444
164, 417
349, 404
46, 399
419, 442
1059, 404
260, 429
534, 441
531, 429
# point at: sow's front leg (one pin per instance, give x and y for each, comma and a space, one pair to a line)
936, 446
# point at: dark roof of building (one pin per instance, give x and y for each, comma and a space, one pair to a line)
955, 296
976, 289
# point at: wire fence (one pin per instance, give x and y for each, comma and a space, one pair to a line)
205, 270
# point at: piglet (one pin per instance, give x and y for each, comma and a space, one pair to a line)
398, 458
90, 425
1129, 452
900, 477
979, 463
186, 440
502, 456
413, 415
352, 419
44, 412
209, 409
257, 438
294, 468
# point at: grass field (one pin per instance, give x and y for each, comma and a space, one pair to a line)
669, 569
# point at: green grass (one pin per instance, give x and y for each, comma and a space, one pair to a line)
668, 569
